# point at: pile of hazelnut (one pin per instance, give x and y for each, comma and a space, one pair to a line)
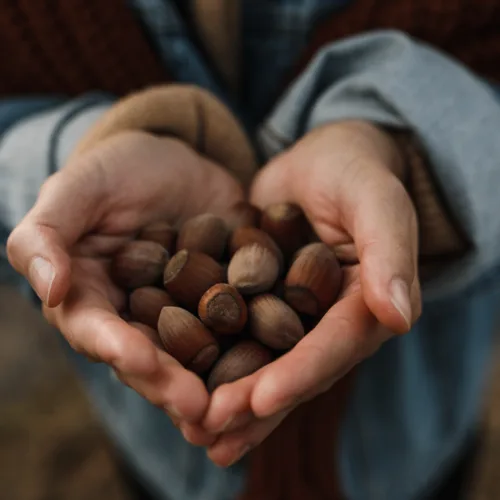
227, 295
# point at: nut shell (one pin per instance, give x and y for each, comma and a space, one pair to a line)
248, 235
188, 275
186, 339
160, 232
274, 323
313, 281
242, 214
138, 263
223, 310
287, 225
242, 360
146, 304
253, 269
205, 233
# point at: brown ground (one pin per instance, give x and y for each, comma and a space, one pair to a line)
51, 447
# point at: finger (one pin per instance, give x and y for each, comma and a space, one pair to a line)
232, 447
347, 334
180, 393
381, 218
65, 209
230, 405
273, 184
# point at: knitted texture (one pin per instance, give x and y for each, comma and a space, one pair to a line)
469, 30
73, 46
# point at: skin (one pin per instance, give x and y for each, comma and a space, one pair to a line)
344, 178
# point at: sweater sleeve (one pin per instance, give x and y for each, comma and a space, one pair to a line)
36, 137
451, 121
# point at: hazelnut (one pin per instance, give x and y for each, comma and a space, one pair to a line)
187, 339
160, 232
274, 323
242, 214
188, 275
314, 279
287, 225
242, 360
223, 309
149, 332
146, 304
247, 235
205, 233
138, 263
253, 269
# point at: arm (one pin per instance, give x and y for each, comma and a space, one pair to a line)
438, 107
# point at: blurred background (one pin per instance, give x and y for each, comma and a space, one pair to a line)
51, 445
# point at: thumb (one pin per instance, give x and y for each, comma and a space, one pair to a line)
273, 184
38, 247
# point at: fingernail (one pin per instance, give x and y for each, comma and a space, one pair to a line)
400, 298
238, 457
42, 274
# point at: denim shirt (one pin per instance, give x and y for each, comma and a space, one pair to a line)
418, 399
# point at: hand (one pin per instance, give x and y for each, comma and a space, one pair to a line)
83, 214
342, 175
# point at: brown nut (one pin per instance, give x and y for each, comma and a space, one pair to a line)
253, 269
242, 214
242, 360
186, 339
314, 280
138, 263
149, 332
223, 309
205, 233
188, 275
146, 304
160, 232
247, 235
274, 323
287, 225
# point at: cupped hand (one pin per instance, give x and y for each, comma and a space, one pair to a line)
343, 177
87, 211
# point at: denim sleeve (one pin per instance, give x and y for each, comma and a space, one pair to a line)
36, 136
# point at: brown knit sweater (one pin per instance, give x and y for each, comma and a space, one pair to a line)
73, 46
